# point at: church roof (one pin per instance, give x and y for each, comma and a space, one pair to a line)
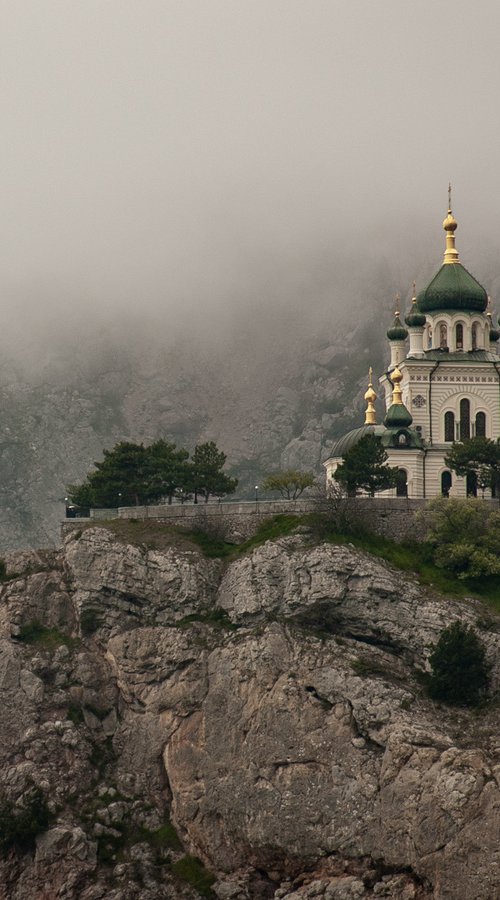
343, 444
415, 318
397, 331
398, 416
464, 357
389, 435
453, 287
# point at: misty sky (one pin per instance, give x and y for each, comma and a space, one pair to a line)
188, 156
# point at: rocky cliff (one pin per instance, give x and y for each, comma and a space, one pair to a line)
264, 715
273, 391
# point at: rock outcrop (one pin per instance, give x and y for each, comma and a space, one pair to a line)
264, 715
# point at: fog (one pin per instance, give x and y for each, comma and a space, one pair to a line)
191, 167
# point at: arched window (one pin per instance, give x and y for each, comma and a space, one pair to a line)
449, 426
464, 419
402, 483
459, 336
402, 439
443, 336
446, 483
429, 337
480, 424
474, 336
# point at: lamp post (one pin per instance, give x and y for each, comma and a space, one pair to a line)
66, 506
256, 494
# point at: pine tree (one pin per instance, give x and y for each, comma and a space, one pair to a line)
365, 467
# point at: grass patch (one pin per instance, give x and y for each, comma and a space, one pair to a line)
193, 872
45, 638
216, 617
271, 529
417, 558
212, 546
153, 535
165, 837
111, 847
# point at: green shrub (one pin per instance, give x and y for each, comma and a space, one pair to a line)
191, 870
460, 672
90, 621
464, 536
19, 825
45, 638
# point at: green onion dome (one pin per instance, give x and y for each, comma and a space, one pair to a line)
397, 332
343, 444
453, 288
415, 319
398, 416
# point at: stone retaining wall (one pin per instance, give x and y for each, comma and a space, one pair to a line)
393, 517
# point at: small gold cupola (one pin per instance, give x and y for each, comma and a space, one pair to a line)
450, 225
370, 397
396, 378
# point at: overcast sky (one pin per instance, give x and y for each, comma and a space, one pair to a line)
173, 154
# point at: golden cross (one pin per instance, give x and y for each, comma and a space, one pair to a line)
449, 196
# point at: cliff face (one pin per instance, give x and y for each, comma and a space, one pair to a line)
270, 396
271, 707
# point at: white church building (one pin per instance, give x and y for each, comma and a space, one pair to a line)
442, 383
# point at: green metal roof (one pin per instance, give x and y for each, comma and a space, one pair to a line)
460, 356
390, 437
415, 318
398, 416
453, 287
397, 331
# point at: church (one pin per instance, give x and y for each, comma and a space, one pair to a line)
442, 383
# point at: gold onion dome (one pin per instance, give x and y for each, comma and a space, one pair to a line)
453, 287
415, 319
370, 397
398, 416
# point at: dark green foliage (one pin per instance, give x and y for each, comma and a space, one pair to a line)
45, 638
365, 468
459, 668
464, 536
3, 571
271, 529
191, 870
211, 545
164, 837
90, 621
167, 470
119, 480
478, 457
216, 617
134, 474
20, 824
207, 477
75, 714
